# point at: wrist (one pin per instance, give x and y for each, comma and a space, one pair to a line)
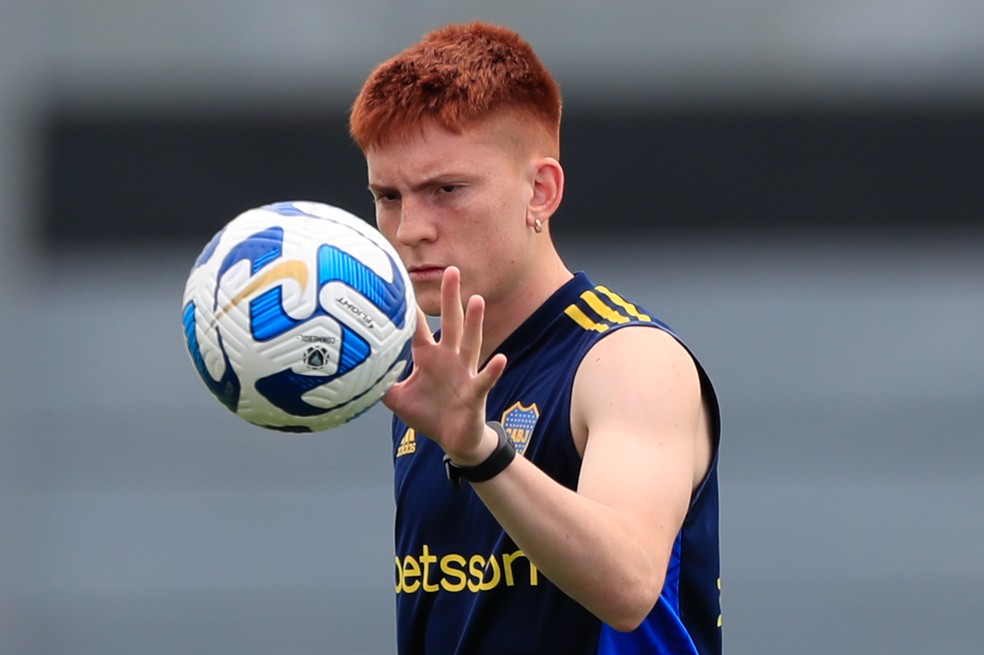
492, 465
486, 446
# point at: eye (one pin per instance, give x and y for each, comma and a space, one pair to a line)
385, 197
448, 189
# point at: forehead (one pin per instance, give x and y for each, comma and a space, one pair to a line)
433, 150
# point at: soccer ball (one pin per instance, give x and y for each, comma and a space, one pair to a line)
298, 316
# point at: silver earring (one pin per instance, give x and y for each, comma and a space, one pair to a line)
537, 225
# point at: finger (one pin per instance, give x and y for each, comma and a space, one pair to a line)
391, 398
489, 375
422, 338
471, 337
422, 335
452, 314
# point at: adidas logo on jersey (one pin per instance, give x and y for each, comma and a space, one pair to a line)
408, 444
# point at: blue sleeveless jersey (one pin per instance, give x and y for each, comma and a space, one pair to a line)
463, 587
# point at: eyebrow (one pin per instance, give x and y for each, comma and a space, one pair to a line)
441, 179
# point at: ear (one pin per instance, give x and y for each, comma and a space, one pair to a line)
548, 189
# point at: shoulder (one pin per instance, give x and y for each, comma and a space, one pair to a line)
639, 370
643, 359
639, 343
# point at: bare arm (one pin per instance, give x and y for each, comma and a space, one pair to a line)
608, 545
636, 412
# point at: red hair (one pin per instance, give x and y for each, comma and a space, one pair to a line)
457, 75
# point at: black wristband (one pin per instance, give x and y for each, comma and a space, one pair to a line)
493, 465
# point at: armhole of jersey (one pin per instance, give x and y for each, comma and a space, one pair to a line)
569, 396
709, 397
707, 392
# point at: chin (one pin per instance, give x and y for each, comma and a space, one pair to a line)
430, 304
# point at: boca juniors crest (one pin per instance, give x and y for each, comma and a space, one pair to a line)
519, 421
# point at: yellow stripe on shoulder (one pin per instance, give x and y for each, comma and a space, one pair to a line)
602, 309
623, 303
582, 319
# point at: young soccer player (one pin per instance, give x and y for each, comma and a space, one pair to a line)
555, 445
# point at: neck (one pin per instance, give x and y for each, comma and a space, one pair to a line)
506, 313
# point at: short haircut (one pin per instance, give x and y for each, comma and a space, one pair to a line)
458, 76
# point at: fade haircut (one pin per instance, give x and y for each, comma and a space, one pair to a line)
458, 76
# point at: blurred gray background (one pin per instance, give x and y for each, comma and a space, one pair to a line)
794, 186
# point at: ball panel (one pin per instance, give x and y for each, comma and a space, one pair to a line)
227, 387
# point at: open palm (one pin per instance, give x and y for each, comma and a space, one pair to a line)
444, 396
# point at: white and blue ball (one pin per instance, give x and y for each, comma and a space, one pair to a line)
298, 316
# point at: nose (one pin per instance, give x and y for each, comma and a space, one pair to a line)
416, 223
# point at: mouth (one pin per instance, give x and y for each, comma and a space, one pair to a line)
425, 274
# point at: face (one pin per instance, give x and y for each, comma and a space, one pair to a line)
445, 199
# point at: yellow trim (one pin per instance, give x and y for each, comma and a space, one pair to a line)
582, 319
603, 310
623, 303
